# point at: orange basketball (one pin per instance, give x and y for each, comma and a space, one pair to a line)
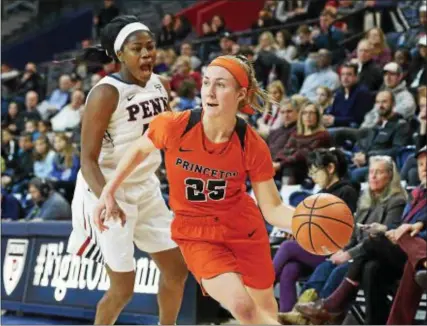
322, 224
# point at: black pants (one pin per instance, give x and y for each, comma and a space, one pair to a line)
377, 271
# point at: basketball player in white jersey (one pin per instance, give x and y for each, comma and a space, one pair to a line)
118, 111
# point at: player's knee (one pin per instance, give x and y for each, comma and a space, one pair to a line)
175, 279
244, 309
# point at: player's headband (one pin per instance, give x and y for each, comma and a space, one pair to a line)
126, 31
239, 73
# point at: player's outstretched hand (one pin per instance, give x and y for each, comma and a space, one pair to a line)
108, 212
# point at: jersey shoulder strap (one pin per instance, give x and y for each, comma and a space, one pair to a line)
195, 117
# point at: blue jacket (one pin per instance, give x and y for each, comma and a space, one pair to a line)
353, 109
62, 173
10, 206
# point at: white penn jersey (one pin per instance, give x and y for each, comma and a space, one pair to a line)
136, 107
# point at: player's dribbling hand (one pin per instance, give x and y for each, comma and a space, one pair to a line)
107, 210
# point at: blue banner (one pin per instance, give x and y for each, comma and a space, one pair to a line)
40, 276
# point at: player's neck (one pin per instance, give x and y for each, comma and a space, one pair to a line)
218, 129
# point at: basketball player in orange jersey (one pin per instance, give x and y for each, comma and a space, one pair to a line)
217, 225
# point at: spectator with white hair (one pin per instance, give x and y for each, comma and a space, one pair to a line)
70, 116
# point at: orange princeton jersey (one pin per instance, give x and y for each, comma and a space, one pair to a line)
207, 179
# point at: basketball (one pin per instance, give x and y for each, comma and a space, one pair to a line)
322, 224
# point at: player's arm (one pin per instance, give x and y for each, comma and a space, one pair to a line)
100, 106
274, 210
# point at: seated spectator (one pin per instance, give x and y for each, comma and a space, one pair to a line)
30, 81
305, 43
66, 162
403, 58
385, 138
58, 99
328, 36
186, 99
270, 118
218, 25
286, 50
267, 42
324, 98
11, 209
291, 162
181, 27
48, 204
381, 53
409, 170
226, 43
411, 236
31, 111
326, 76
382, 202
9, 149
12, 117
278, 138
351, 101
23, 169
170, 58
31, 128
70, 116
405, 104
183, 72
45, 129
265, 20
418, 71
160, 66
376, 264
288, 11
369, 72
187, 50
328, 168
167, 37
43, 158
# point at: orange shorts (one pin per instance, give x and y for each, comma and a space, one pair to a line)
215, 245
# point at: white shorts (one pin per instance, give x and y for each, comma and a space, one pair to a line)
148, 225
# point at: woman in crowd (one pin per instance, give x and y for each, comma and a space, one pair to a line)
291, 163
286, 50
328, 168
324, 98
43, 158
184, 72
270, 119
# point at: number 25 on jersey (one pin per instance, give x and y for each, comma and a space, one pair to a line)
201, 190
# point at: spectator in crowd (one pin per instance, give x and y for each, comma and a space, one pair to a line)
326, 76
266, 42
186, 99
183, 72
418, 70
9, 149
70, 116
291, 162
31, 111
48, 203
226, 43
377, 263
58, 99
30, 81
288, 11
43, 158
105, 15
160, 66
286, 49
381, 53
270, 118
31, 129
268, 67
23, 170
181, 27
409, 170
351, 102
411, 236
66, 162
328, 168
404, 101
170, 58
9, 80
265, 20
305, 44
11, 118
11, 209
369, 72
288, 117
167, 36
324, 98
403, 58
385, 138
45, 129
187, 50
354, 23
328, 36
218, 25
